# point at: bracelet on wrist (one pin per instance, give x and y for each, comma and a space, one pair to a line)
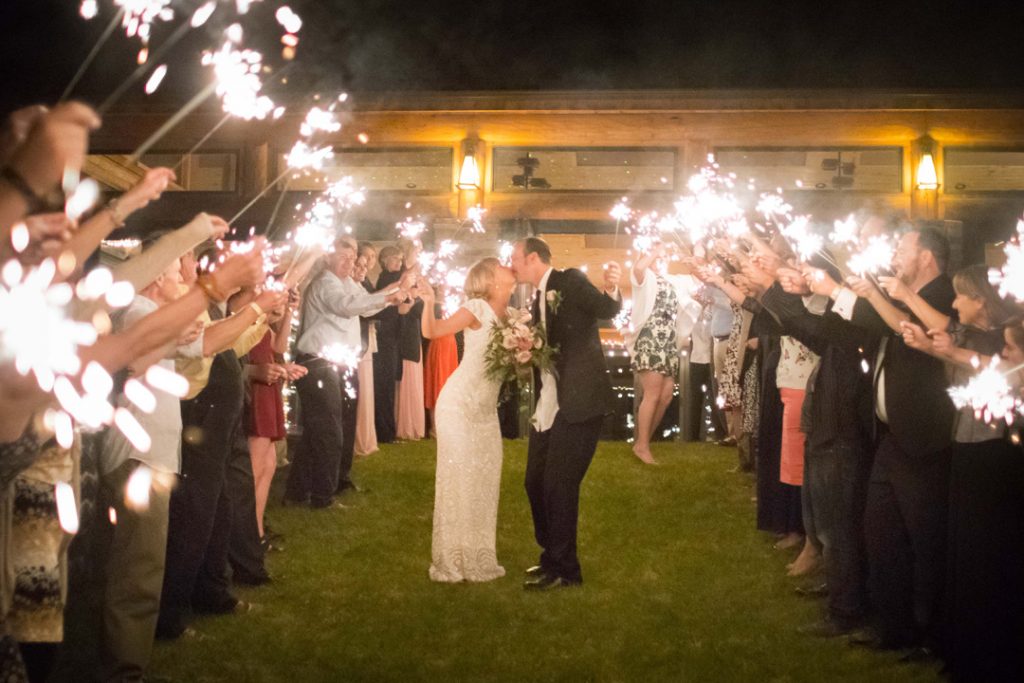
18, 183
210, 289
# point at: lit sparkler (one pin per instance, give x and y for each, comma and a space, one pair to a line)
874, 257
1010, 277
988, 394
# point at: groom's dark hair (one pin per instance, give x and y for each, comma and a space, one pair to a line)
535, 245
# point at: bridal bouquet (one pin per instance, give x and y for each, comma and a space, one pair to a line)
516, 346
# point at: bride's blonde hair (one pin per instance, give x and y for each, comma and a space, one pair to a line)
481, 277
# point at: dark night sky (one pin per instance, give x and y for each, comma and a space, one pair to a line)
488, 45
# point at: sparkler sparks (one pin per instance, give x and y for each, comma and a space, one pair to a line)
35, 330
988, 394
238, 82
303, 156
876, 256
88, 9
156, 79
83, 198
1010, 278
139, 16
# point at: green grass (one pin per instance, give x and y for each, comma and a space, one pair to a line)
678, 587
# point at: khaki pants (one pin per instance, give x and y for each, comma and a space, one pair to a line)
134, 576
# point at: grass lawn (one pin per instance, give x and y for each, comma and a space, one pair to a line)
678, 587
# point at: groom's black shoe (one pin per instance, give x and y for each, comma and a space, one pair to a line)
547, 582
535, 571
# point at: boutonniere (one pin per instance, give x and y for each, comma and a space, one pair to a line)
554, 298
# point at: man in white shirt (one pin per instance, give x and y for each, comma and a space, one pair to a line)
328, 345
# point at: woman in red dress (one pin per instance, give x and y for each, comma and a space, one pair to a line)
267, 372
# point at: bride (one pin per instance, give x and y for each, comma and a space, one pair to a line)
469, 450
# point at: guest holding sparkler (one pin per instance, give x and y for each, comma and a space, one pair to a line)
200, 512
387, 363
329, 337
267, 372
907, 504
366, 432
410, 418
985, 571
662, 317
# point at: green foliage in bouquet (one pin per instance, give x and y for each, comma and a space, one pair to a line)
516, 346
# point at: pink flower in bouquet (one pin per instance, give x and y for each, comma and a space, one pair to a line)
524, 357
508, 339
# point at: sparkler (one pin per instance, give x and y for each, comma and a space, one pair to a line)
875, 256
67, 510
988, 394
199, 17
1010, 277
88, 10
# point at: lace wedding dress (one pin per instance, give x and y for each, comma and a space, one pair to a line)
469, 454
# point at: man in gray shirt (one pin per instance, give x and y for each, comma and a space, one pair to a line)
328, 336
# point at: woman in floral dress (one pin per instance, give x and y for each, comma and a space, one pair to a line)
662, 317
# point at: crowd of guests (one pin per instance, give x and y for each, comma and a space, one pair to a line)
910, 510
834, 391
159, 532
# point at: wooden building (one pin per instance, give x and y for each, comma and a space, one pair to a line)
554, 163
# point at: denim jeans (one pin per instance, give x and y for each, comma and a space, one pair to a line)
835, 492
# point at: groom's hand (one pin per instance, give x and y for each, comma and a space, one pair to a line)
612, 274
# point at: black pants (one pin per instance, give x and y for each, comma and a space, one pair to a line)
314, 470
199, 531
386, 364
835, 493
556, 463
245, 550
349, 413
985, 582
905, 529
702, 398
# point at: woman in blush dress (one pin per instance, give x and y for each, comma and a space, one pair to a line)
469, 449
410, 416
366, 432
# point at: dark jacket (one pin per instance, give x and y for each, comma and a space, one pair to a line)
839, 399
919, 411
584, 389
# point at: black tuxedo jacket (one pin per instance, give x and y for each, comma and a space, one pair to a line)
919, 411
584, 389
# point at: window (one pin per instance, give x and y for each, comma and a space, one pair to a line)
586, 169
983, 170
864, 169
417, 169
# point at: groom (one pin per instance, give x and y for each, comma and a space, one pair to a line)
571, 406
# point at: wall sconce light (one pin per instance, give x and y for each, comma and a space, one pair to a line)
927, 179
469, 176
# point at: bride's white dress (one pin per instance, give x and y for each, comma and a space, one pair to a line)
469, 454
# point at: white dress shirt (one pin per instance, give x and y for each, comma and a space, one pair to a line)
331, 313
547, 404
845, 300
